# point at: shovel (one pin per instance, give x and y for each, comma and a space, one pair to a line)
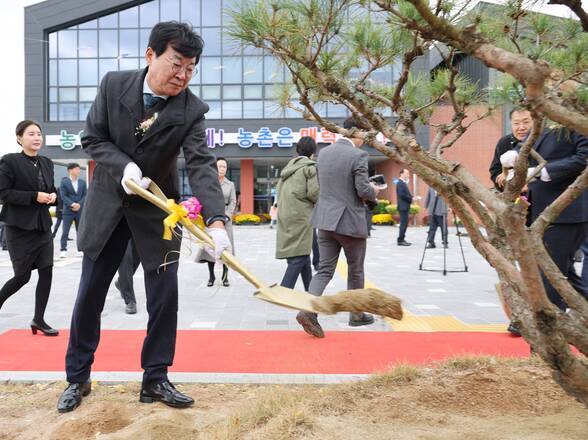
360, 300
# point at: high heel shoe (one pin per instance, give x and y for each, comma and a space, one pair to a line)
47, 331
226, 282
210, 282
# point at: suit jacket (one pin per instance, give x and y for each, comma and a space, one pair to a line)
69, 195
343, 179
403, 196
109, 138
19, 186
566, 154
435, 203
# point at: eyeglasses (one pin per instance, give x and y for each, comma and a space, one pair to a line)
178, 68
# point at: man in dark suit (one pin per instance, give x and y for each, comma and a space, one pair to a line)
437, 209
73, 192
566, 154
403, 201
339, 216
136, 127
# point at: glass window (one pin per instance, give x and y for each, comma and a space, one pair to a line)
83, 110
382, 76
129, 18
196, 77
253, 109
88, 72
273, 71
195, 90
128, 63
92, 24
253, 92
144, 40
53, 112
108, 21
232, 92
272, 109
252, 70
232, 70
53, 72
68, 73
68, 112
142, 63
52, 94
108, 43
336, 111
211, 13
231, 109
68, 95
270, 92
53, 45
170, 10
230, 45
211, 92
88, 44
107, 65
149, 14
215, 110
191, 12
211, 70
212, 41
68, 44
129, 43
87, 93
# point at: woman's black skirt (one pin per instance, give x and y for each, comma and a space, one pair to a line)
29, 250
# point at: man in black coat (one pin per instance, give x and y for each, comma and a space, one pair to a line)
136, 127
403, 200
566, 154
73, 193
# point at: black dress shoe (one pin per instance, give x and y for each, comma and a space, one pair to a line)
363, 319
210, 282
71, 398
430, 245
404, 243
165, 392
514, 330
131, 308
310, 324
46, 330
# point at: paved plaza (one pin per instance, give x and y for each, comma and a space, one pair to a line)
461, 301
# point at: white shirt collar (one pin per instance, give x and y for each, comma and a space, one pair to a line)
147, 89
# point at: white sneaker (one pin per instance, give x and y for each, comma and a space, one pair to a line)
63, 254
79, 253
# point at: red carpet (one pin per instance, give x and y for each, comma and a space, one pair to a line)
226, 351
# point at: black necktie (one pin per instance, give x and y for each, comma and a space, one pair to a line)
149, 100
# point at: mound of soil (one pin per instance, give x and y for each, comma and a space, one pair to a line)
471, 398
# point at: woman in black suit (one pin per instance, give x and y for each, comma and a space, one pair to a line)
27, 190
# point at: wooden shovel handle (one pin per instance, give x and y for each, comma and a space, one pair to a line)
157, 197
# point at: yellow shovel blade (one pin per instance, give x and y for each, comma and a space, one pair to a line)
285, 297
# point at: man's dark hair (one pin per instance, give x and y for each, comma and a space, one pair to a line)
351, 122
306, 146
516, 109
71, 166
402, 171
218, 159
180, 36
23, 125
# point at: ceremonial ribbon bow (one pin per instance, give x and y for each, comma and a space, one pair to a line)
176, 214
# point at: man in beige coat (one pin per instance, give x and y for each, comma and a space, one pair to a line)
298, 191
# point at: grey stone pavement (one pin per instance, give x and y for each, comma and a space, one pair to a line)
466, 297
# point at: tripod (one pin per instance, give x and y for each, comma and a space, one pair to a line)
445, 229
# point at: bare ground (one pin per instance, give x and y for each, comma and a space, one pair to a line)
465, 398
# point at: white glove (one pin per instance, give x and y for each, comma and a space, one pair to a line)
509, 158
531, 172
221, 242
132, 171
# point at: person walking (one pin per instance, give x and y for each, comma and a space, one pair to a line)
124, 149
339, 216
298, 191
230, 198
404, 199
27, 190
73, 194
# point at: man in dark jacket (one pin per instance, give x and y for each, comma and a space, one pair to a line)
403, 201
73, 194
136, 127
